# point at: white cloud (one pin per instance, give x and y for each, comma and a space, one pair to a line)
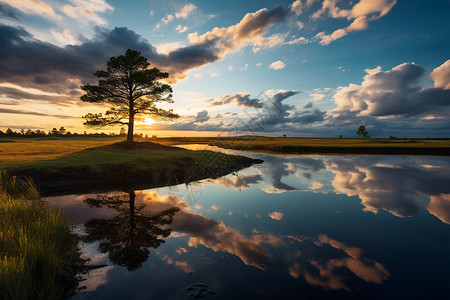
181, 29
244, 67
297, 7
301, 40
276, 215
198, 76
185, 11
300, 25
361, 13
317, 96
277, 65
441, 76
316, 185
215, 74
259, 64
87, 10
169, 18
269, 42
230, 68
34, 7
392, 93
65, 38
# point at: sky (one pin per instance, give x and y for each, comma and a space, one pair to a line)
307, 68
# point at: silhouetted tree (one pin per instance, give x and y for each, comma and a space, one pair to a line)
127, 236
131, 88
123, 131
362, 131
62, 130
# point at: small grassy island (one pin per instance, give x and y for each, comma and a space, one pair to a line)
123, 164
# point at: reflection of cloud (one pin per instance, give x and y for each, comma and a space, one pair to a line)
399, 188
276, 215
96, 278
368, 270
241, 181
183, 265
214, 234
440, 207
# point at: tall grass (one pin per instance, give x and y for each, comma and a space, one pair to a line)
38, 252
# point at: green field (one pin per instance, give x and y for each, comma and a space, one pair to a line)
323, 145
81, 167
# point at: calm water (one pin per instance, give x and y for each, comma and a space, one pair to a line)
294, 227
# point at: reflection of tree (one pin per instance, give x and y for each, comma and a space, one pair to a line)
128, 236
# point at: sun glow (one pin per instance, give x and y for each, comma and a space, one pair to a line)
146, 121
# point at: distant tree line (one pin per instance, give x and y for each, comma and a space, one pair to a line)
62, 132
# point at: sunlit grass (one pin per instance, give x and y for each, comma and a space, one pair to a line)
25, 150
37, 250
311, 145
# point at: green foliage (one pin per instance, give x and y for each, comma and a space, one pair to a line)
130, 88
38, 253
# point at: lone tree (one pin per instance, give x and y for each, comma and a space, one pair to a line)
362, 131
131, 88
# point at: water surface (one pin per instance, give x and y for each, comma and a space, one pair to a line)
294, 227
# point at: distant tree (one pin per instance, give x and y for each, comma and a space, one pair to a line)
131, 88
22, 131
9, 132
340, 136
62, 130
29, 132
54, 131
284, 135
123, 131
362, 131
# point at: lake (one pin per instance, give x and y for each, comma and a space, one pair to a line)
293, 227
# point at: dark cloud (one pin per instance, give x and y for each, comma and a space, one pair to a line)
240, 99
24, 112
16, 94
8, 12
308, 105
202, 116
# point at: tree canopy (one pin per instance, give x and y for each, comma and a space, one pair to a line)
362, 131
130, 87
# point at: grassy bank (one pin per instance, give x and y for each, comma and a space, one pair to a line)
37, 250
324, 145
145, 164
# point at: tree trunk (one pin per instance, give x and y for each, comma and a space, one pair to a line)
131, 124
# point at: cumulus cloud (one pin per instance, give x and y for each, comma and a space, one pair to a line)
202, 116
277, 65
441, 76
361, 13
393, 93
250, 30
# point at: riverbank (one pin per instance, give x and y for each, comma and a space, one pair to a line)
323, 145
39, 257
121, 166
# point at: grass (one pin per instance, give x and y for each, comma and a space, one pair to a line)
38, 252
117, 165
324, 145
24, 150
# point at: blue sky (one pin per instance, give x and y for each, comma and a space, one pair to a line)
301, 68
